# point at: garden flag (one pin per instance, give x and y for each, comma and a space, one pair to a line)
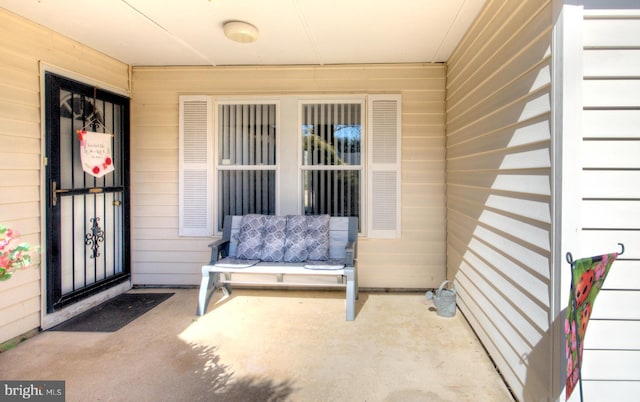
95, 152
588, 275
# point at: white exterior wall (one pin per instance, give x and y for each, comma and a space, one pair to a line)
416, 260
499, 188
25, 48
609, 194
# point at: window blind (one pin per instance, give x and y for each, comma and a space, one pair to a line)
331, 163
246, 159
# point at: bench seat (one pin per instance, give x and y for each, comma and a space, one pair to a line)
225, 269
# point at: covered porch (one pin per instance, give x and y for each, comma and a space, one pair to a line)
516, 148
265, 345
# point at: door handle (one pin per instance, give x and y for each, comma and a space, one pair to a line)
54, 193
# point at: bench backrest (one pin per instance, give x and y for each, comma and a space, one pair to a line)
341, 231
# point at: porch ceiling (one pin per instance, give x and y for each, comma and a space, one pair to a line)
315, 32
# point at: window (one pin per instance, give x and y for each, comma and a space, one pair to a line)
246, 165
331, 167
290, 155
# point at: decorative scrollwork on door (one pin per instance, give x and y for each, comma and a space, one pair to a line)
94, 238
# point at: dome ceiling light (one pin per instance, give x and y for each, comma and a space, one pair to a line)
240, 31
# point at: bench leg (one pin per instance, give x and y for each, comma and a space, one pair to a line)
208, 286
226, 288
352, 293
203, 295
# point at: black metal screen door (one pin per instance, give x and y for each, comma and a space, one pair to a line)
87, 217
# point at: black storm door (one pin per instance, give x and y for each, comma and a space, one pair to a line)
87, 215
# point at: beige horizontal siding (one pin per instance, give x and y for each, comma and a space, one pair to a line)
24, 46
492, 35
499, 223
415, 261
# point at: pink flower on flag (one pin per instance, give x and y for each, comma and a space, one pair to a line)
570, 361
601, 268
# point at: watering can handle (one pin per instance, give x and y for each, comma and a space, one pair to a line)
442, 286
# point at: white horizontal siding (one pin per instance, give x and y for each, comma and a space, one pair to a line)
606, 154
606, 334
611, 123
610, 214
611, 390
611, 63
24, 47
611, 365
499, 188
610, 207
611, 93
617, 305
620, 185
606, 31
601, 241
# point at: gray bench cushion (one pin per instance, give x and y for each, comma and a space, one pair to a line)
293, 238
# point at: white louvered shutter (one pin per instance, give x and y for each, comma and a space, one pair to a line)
384, 165
195, 166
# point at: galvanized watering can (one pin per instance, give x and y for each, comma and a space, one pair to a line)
444, 299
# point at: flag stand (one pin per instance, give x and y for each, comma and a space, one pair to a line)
571, 262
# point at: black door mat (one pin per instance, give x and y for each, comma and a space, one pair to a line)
113, 314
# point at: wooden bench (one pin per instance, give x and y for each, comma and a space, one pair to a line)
343, 238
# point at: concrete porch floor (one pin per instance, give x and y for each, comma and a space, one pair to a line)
269, 345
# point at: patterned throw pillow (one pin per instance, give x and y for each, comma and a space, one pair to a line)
318, 237
273, 239
250, 237
296, 243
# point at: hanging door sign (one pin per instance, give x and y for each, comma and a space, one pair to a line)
95, 152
